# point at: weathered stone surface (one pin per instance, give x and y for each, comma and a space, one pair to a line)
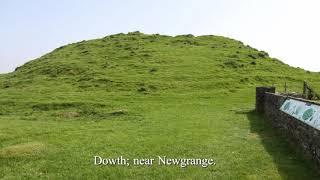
260, 91
298, 133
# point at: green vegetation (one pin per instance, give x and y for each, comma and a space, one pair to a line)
141, 96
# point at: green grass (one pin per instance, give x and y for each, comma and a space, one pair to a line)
141, 96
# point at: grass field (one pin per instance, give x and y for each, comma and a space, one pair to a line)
143, 96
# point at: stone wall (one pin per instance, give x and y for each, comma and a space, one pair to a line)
299, 134
260, 91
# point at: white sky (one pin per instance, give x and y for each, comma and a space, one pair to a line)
287, 29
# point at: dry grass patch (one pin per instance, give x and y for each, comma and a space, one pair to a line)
22, 150
70, 114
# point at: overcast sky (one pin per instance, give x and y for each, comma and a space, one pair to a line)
287, 29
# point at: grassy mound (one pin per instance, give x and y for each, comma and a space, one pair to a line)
139, 62
140, 96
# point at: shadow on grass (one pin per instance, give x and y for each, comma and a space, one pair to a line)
289, 160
